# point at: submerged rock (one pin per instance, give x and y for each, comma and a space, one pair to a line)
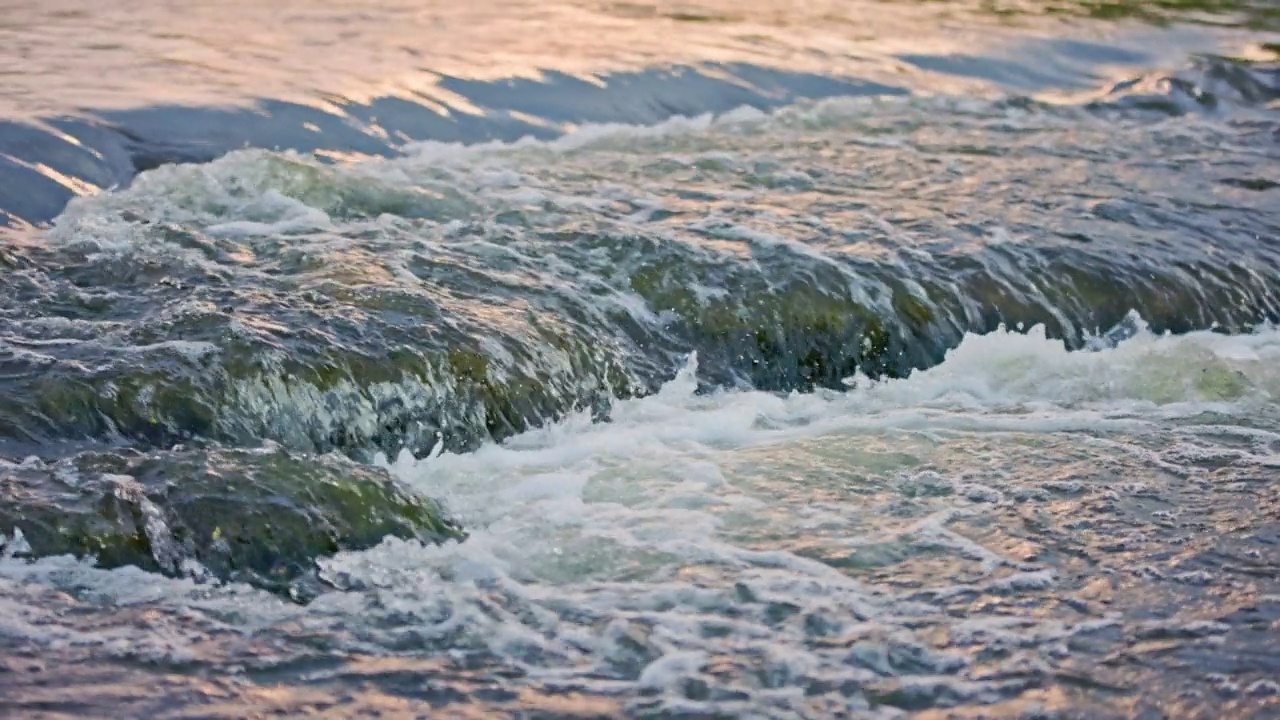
411, 304
156, 351
255, 516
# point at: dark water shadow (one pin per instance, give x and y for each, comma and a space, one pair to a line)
41, 167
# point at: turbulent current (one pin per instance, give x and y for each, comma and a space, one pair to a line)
866, 401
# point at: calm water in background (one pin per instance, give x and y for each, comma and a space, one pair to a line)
780, 359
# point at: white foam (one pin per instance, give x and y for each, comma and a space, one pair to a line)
699, 527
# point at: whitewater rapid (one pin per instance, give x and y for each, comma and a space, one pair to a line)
987, 531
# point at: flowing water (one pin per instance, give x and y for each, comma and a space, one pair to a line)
786, 360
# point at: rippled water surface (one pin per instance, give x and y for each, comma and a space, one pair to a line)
625, 360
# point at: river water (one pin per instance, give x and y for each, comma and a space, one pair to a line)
775, 360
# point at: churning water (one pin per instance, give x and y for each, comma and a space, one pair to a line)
845, 377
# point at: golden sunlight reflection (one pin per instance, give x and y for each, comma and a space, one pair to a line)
303, 50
